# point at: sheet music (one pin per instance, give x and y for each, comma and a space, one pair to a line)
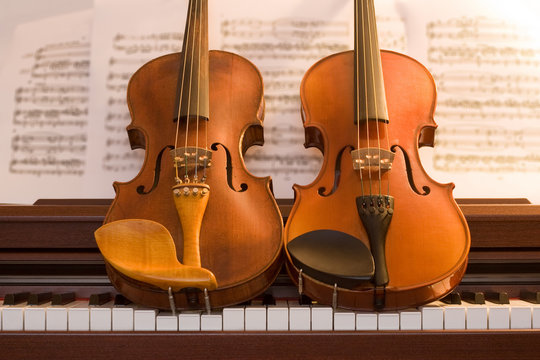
126, 35
484, 57
284, 38
44, 109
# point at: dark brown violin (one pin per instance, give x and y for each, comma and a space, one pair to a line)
373, 231
194, 228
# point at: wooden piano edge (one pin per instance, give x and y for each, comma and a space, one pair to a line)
418, 345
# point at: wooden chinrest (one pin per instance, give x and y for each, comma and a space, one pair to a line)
144, 250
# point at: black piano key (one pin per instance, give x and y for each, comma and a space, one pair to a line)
38, 299
14, 299
530, 296
497, 297
473, 297
305, 300
99, 299
63, 299
120, 300
453, 298
268, 299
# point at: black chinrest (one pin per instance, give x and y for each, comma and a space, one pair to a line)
332, 257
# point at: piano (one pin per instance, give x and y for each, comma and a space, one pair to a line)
48, 248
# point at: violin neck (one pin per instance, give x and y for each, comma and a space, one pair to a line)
369, 83
194, 69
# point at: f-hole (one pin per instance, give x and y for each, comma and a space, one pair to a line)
243, 186
337, 172
157, 170
426, 189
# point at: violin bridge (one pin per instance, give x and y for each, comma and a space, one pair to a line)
372, 159
191, 157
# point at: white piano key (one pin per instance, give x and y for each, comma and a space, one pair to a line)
299, 317
520, 314
389, 321
535, 316
101, 317
1, 307
144, 319
344, 321
211, 322
255, 318
498, 316
57, 316
410, 319
477, 317
189, 321
35, 317
233, 319
322, 318
123, 318
166, 321
13, 318
432, 316
277, 318
454, 317
367, 321
79, 317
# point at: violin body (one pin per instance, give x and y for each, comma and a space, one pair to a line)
427, 240
241, 231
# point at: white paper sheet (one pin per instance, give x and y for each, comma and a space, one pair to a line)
484, 56
44, 109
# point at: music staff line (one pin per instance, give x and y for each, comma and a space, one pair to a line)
52, 99
476, 104
285, 28
455, 114
486, 163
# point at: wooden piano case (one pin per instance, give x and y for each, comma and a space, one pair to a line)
50, 247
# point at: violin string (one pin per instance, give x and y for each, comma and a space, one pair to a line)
198, 93
189, 92
366, 98
373, 52
182, 93
208, 94
357, 85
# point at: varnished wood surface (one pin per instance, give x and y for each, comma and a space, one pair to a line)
428, 240
417, 345
241, 232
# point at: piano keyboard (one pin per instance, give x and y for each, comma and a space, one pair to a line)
284, 316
